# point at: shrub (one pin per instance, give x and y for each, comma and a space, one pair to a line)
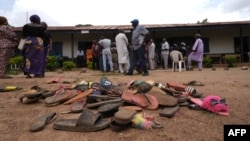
207, 62
18, 60
89, 64
51, 63
230, 60
68, 65
15, 63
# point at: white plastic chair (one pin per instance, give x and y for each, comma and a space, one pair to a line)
177, 61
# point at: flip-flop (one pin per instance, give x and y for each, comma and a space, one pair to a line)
31, 96
40, 122
124, 116
141, 86
26, 100
79, 96
61, 96
116, 127
171, 90
127, 95
109, 109
48, 94
194, 107
146, 101
136, 108
182, 88
88, 121
82, 87
194, 83
9, 88
33, 93
77, 106
54, 80
163, 98
99, 97
244, 68
169, 111
97, 104
177, 87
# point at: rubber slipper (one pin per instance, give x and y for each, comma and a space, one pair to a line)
136, 108
244, 68
171, 90
77, 106
183, 104
88, 121
54, 80
124, 116
127, 95
177, 87
48, 94
140, 86
99, 97
194, 107
169, 111
97, 104
163, 98
82, 87
26, 100
110, 107
194, 83
9, 88
116, 127
40, 122
79, 96
61, 96
146, 101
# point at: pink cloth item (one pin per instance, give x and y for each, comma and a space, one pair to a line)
215, 104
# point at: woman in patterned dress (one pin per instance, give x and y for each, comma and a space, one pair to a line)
8, 42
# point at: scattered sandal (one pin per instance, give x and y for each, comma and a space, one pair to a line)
88, 121
40, 122
194, 83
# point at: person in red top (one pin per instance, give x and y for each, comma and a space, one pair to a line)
95, 55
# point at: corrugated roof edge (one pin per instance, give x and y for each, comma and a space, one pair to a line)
127, 27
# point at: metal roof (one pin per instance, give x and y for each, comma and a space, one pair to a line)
148, 26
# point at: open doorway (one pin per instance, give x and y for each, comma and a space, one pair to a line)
244, 43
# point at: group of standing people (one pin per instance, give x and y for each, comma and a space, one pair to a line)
129, 55
139, 53
38, 43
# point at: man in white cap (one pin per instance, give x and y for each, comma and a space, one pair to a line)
138, 47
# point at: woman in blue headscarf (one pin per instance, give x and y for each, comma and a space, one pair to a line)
33, 50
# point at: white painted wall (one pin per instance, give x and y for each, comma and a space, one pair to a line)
221, 40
